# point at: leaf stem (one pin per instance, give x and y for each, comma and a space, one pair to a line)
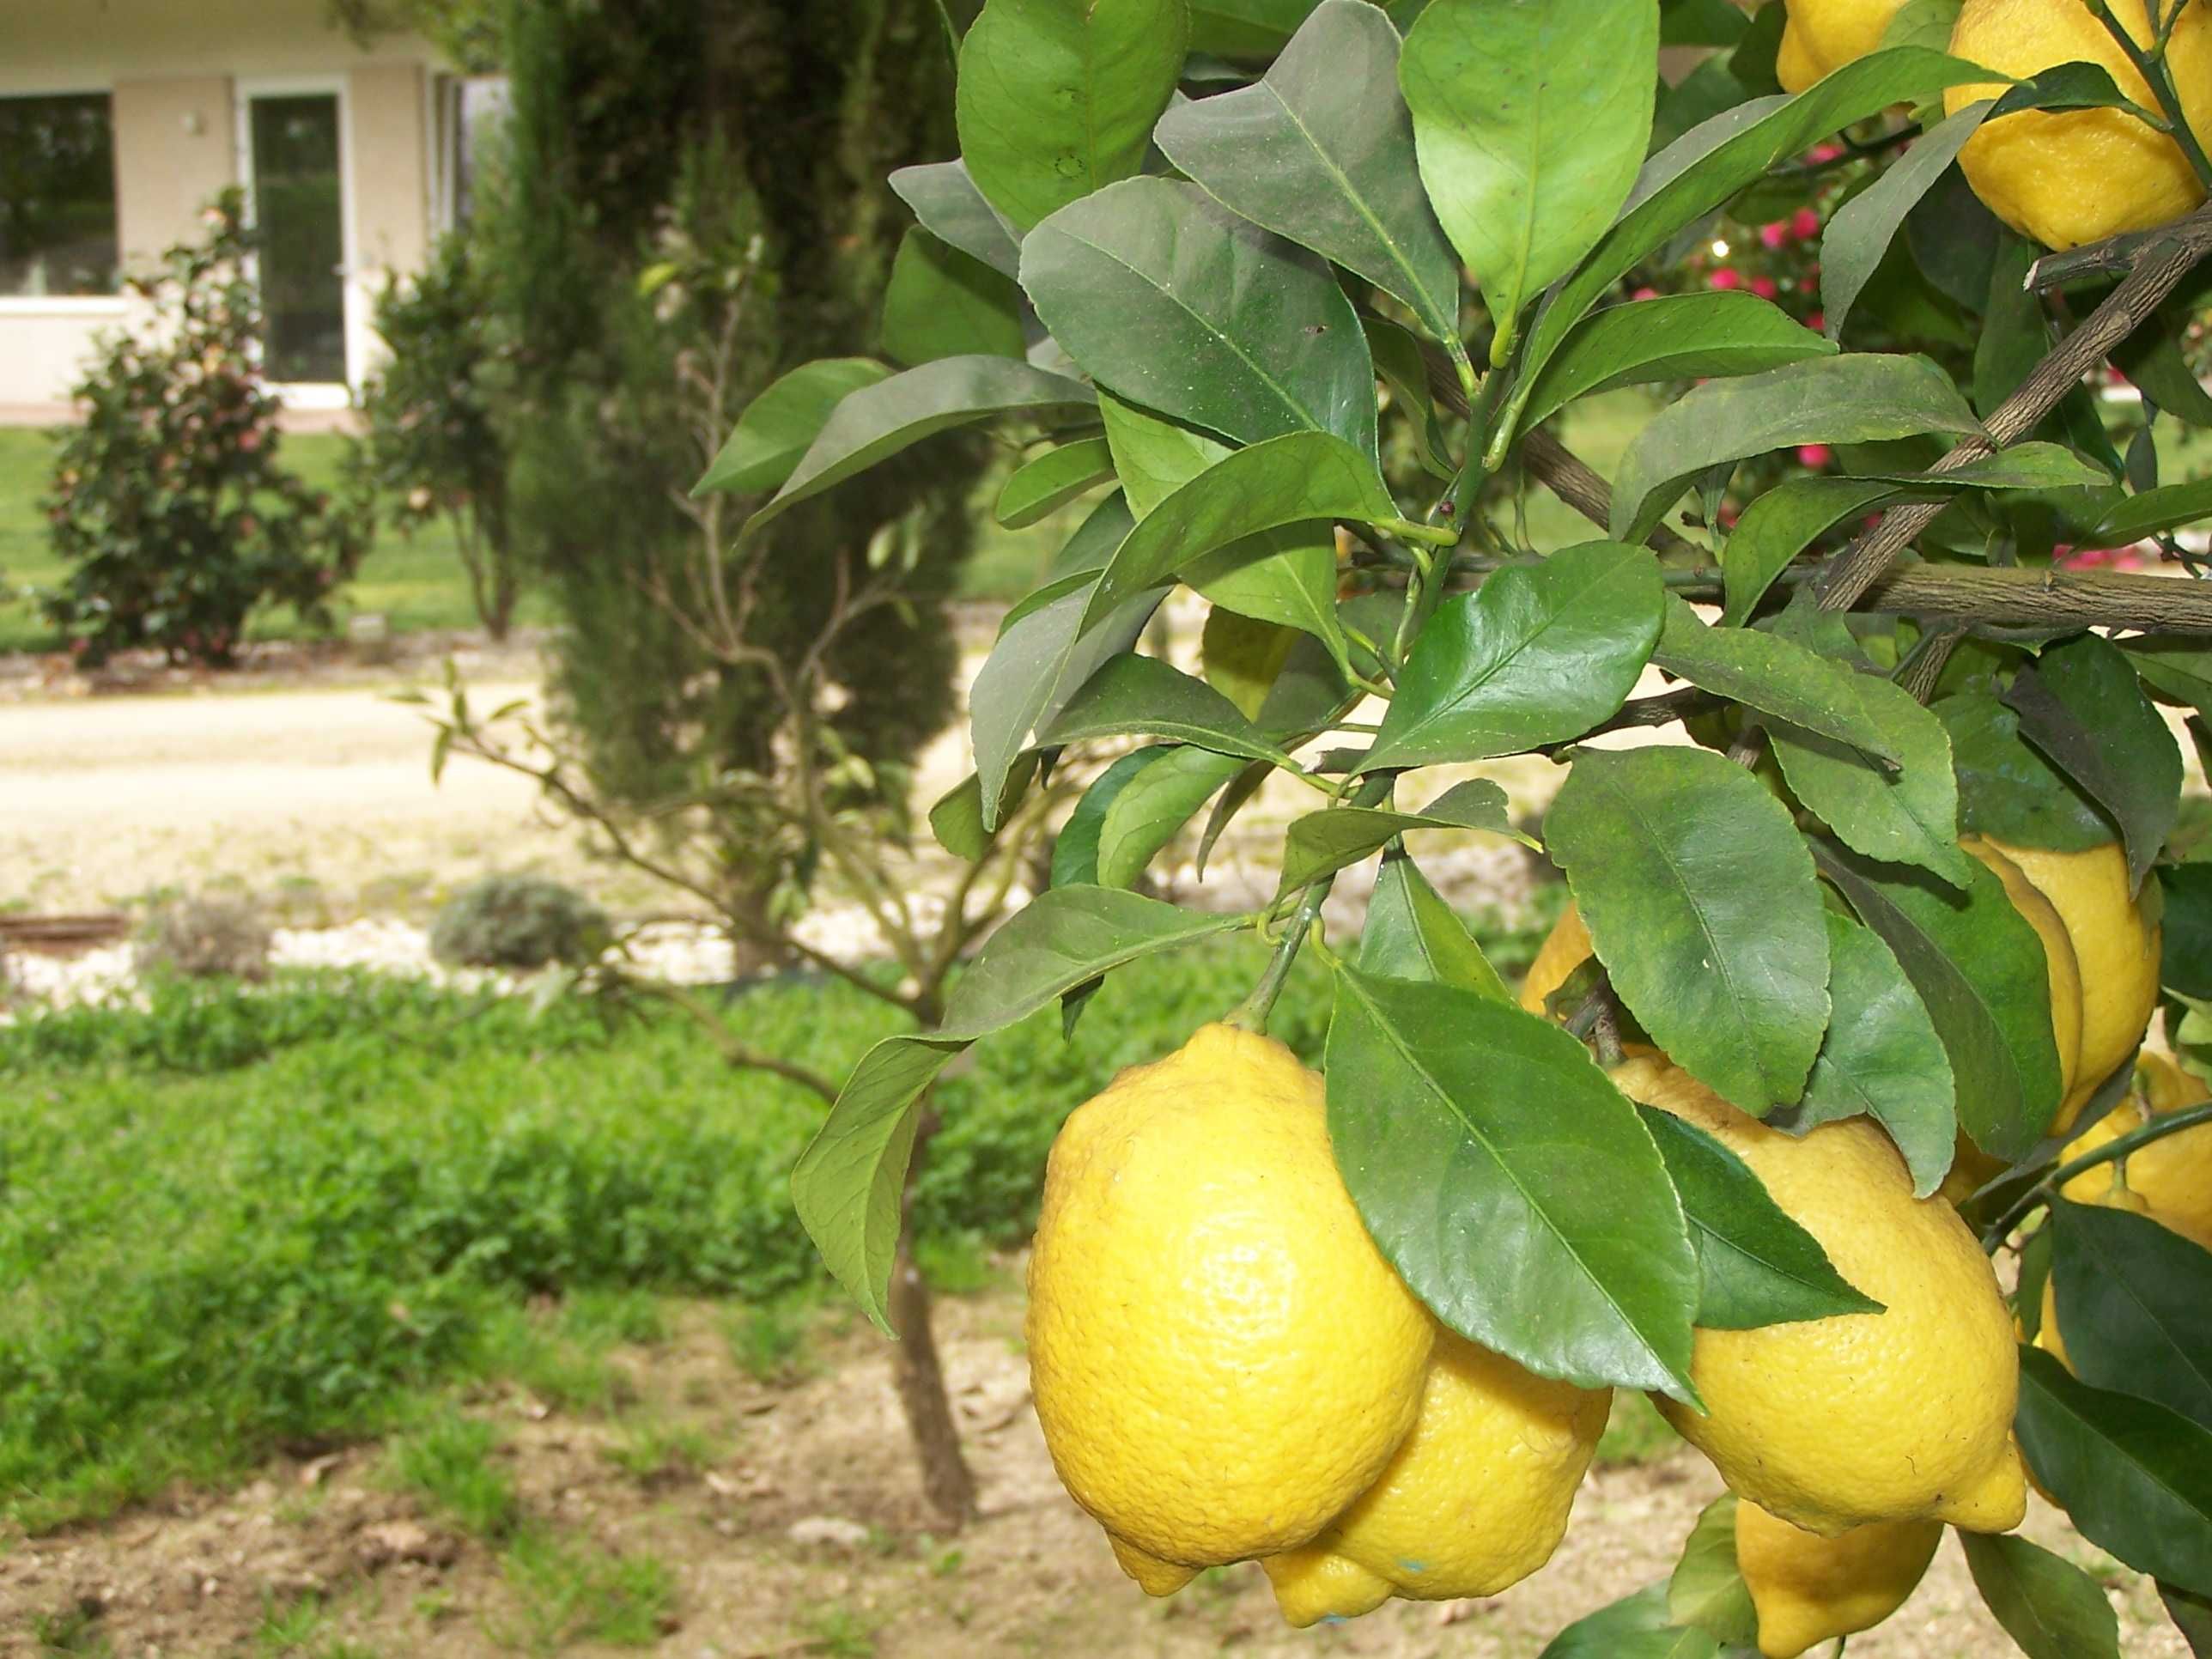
2165, 1124
1251, 1014
2152, 66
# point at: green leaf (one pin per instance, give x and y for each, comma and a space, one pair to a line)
1245, 30
1044, 485
2081, 704
2155, 512
1057, 99
1676, 336
956, 819
2046, 1604
1397, 354
1135, 696
2075, 85
2175, 668
2192, 1617
1701, 171
1979, 967
1539, 653
1925, 23
880, 420
1706, 1591
848, 1181
1283, 481
2134, 1477
1321, 843
1075, 849
1510, 1184
1699, 897
1755, 1265
1881, 1057
2008, 790
943, 303
776, 428
1861, 233
1780, 524
1775, 675
1528, 139
1170, 301
2133, 1306
1322, 151
1153, 456
1241, 657
1699, 23
1285, 575
1146, 816
2186, 928
945, 201
2023, 467
2153, 360
1634, 1627
1855, 398
1904, 815
1411, 933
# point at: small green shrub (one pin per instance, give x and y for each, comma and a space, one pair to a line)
449, 1466
519, 921
212, 936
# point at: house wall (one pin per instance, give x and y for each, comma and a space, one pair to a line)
175, 149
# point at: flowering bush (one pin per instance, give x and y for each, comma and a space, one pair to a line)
168, 501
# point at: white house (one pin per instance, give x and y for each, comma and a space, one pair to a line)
120, 118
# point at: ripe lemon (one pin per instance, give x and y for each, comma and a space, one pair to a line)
1831, 1424
1565, 949
1221, 1359
1818, 37
2073, 176
1808, 1590
2115, 943
1476, 1499
2169, 1180
2059, 957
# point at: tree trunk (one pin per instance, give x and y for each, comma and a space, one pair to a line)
946, 1482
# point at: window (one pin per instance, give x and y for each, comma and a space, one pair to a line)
57, 195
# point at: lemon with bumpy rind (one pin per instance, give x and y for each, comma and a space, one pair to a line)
1221, 1359
2062, 966
1807, 1589
2170, 1178
1831, 1424
2066, 177
1476, 1499
1818, 37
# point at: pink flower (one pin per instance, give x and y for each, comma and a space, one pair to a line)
249, 441
1645, 293
1814, 455
1764, 287
1725, 277
2083, 558
1817, 321
1727, 516
1806, 223
1824, 153
1774, 235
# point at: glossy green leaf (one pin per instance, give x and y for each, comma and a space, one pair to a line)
1703, 169
2046, 1604
1510, 1184
1676, 336
1700, 900
2186, 926
2192, 1617
1287, 575
776, 428
1527, 138
2155, 512
1153, 456
2081, 704
2007, 789
1699, 23
2175, 668
1863, 228
1304, 477
1783, 522
1881, 1058
1155, 805
1855, 398
1321, 843
957, 818
1979, 967
2155, 363
940, 302
880, 420
2135, 1476
1075, 848
2034, 465
1040, 487
1241, 657
1755, 1265
1637, 1626
1322, 151
848, 1181
1706, 1590
1539, 653
1057, 99
949, 206
1397, 354
1775, 675
1923, 23
2075, 85
1169, 299
1143, 696
2135, 1306
1411, 933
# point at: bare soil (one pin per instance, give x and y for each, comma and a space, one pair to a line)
204, 1573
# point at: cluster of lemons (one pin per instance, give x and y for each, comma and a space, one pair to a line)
2061, 177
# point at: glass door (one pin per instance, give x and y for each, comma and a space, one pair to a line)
299, 210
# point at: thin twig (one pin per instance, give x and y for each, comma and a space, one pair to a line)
2160, 1126
736, 1054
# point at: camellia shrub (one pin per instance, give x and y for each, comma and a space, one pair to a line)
1863, 951
169, 502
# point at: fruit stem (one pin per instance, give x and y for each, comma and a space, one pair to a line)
2165, 1124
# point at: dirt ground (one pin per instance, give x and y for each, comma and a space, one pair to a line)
741, 1534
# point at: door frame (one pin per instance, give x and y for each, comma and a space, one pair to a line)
244, 90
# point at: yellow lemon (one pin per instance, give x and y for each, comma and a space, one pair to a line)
2169, 1180
2115, 944
2073, 176
1221, 1359
1831, 1424
2058, 957
1565, 949
1476, 1499
1972, 1169
1818, 37
1808, 1590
